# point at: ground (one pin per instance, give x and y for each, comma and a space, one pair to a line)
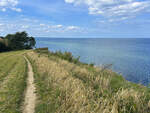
42, 82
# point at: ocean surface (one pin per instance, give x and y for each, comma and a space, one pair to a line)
129, 57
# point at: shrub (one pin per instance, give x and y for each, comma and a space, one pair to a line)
65, 56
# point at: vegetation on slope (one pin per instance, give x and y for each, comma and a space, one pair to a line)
60, 55
63, 86
13, 73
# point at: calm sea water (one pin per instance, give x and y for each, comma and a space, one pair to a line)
130, 57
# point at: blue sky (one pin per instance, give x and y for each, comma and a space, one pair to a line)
76, 18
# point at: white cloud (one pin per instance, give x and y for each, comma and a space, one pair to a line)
58, 26
55, 26
9, 4
72, 28
37, 27
42, 25
25, 26
1, 24
16, 9
6, 3
69, 1
113, 8
3, 9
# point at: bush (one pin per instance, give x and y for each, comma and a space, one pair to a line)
65, 56
3, 47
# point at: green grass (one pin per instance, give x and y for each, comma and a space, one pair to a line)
13, 73
67, 87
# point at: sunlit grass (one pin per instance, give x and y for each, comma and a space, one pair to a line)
64, 86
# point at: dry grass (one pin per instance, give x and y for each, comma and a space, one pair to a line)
64, 87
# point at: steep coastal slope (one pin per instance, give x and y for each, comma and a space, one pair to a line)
63, 86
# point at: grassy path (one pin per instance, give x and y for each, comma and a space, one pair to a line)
30, 96
64, 87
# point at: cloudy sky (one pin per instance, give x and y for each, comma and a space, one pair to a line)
76, 18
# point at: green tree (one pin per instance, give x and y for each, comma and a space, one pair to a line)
20, 40
3, 45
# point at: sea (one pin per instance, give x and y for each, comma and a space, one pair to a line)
129, 57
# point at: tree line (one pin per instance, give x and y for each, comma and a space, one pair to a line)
17, 41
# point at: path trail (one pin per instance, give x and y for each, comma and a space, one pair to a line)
30, 96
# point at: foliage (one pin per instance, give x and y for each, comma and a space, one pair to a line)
63, 55
17, 41
3, 45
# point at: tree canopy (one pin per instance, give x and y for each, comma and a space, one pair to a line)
17, 41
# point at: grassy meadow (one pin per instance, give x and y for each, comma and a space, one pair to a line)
65, 86
13, 73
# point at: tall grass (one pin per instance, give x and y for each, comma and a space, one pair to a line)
65, 87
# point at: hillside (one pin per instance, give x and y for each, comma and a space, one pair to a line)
66, 85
